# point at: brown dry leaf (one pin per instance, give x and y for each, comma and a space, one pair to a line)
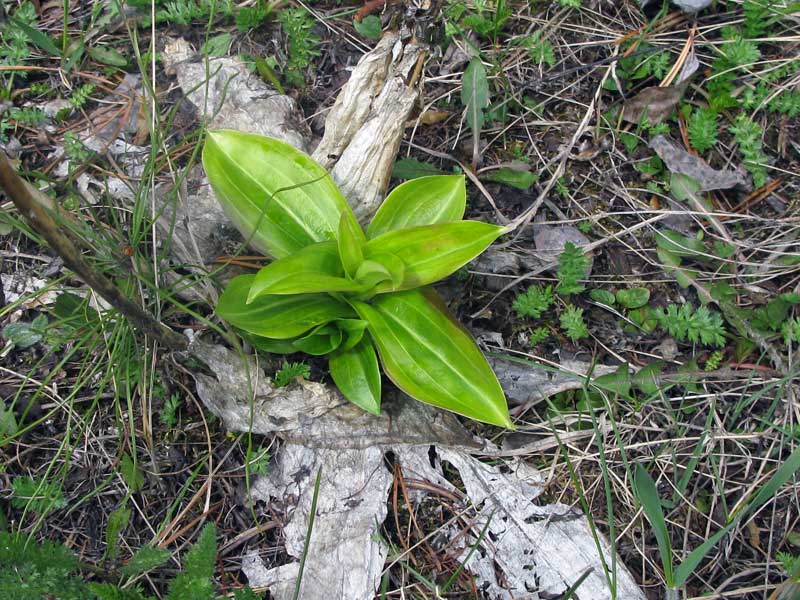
679, 160
656, 103
754, 535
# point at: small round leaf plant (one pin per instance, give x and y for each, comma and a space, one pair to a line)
351, 294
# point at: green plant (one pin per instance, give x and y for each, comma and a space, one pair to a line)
23, 334
791, 330
250, 17
194, 581
185, 12
539, 49
337, 290
537, 336
14, 49
683, 322
791, 564
533, 302
702, 129
75, 149
475, 98
291, 371
713, 361
573, 265
633, 297
81, 96
483, 17
572, 323
39, 495
570, 3
785, 102
29, 570
748, 135
301, 42
259, 463
169, 412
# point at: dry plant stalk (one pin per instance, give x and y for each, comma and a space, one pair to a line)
36, 215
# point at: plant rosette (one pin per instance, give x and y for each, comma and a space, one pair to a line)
356, 296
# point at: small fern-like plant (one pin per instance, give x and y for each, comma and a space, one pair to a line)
537, 336
291, 371
684, 323
573, 324
302, 43
533, 302
702, 129
748, 135
573, 265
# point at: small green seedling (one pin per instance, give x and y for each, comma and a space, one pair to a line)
343, 292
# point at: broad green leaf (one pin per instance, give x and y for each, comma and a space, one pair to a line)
8, 420
522, 180
423, 201
108, 56
146, 559
278, 317
37, 37
648, 379
275, 195
646, 492
321, 340
269, 345
217, 46
430, 357
353, 330
117, 522
432, 252
351, 244
602, 296
315, 268
618, 382
382, 267
411, 168
369, 27
131, 473
634, 297
475, 94
371, 273
681, 245
355, 372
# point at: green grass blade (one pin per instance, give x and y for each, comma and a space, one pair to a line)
647, 494
311, 517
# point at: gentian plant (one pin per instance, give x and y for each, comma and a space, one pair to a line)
335, 289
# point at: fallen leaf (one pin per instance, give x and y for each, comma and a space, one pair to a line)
680, 161
654, 103
689, 68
